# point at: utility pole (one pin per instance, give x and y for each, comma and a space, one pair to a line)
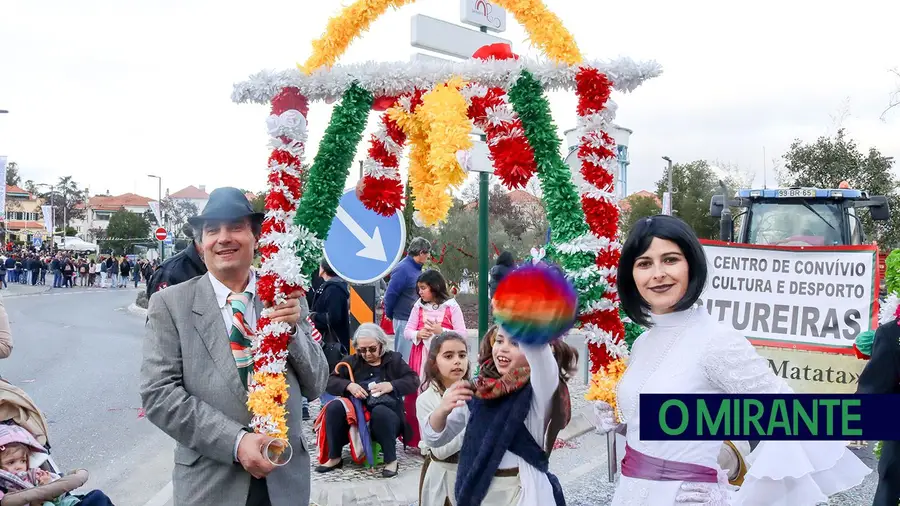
162, 249
667, 198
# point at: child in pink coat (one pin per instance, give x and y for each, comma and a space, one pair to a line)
435, 312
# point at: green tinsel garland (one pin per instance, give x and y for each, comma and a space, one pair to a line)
877, 449
892, 272
330, 169
563, 204
632, 330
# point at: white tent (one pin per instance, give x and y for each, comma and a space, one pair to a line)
76, 244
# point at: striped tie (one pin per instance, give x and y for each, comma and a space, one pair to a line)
240, 334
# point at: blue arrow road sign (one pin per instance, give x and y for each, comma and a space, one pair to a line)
362, 245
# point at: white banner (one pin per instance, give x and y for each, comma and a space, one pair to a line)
818, 299
47, 211
3, 189
154, 206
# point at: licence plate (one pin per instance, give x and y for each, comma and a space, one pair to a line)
797, 192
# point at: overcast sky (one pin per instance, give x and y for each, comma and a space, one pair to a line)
110, 91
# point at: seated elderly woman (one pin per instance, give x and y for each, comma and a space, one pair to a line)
382, 379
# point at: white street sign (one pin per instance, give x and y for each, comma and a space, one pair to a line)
427, 58
447, 38
477, 159
483, 13
667, 203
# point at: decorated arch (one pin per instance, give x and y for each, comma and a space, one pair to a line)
431, 108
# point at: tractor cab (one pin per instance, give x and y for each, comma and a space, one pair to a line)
797, 216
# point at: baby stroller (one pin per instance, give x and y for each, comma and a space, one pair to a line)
16, 407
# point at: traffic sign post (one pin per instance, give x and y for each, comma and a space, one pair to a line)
363, 246
456, 41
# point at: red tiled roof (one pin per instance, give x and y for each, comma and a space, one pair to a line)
20, 224
625, 203
114, 203
191, 192
523, 197
15, 189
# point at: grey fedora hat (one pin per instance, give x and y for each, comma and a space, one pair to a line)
226, 204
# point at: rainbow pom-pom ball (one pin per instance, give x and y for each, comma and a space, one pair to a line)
535, 304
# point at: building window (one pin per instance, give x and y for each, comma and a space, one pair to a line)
102, 215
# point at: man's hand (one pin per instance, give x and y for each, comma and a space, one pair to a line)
357, 391
382, 388
288, 311
250, 455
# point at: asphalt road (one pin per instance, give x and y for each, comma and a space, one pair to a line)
77, 353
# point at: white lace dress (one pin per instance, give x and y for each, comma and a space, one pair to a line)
690, 352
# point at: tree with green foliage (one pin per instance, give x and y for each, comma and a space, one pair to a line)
125, 225
639, 207
12, 174
693, 186
828, 161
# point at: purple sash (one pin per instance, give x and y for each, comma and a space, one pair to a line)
637, 465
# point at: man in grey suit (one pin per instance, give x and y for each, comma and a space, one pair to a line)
195, 370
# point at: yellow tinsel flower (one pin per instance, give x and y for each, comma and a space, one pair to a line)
344, 28
604, 382
262, 403
544, 29
444, 113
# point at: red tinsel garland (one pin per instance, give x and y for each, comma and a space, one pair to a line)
381, 188
602, 214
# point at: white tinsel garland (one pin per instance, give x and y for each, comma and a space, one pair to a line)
888, 311
394, 79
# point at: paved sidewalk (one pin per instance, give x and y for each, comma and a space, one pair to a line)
18, 289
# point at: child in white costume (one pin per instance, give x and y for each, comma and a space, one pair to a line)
447, 363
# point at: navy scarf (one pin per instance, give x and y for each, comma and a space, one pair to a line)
495, 426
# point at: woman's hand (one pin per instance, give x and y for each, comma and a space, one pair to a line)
604, 417
423, 334
357, 391
385, 387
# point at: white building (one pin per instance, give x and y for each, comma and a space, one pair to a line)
194, 194
100, 208
621, 135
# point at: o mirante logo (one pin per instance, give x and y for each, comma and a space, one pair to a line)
800, 417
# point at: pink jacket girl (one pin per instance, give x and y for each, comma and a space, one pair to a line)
435, 312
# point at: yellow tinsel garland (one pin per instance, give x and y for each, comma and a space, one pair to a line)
544, 29
603, 384
261, 401
343, 28
438, 129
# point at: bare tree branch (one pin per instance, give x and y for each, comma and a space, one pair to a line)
894, 99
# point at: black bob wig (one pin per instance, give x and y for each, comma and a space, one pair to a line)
642, 234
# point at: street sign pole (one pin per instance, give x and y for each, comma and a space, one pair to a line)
459, 42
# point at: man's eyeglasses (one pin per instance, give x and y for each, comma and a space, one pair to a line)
367, 349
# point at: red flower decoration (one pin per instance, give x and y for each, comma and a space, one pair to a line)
290, 98
593, 89
283, 157
383, 195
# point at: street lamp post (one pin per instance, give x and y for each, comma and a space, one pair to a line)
162, 251
668, 197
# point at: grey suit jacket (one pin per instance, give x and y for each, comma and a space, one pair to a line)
190, 388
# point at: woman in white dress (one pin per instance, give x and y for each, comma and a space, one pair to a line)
662, 273
447, 363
